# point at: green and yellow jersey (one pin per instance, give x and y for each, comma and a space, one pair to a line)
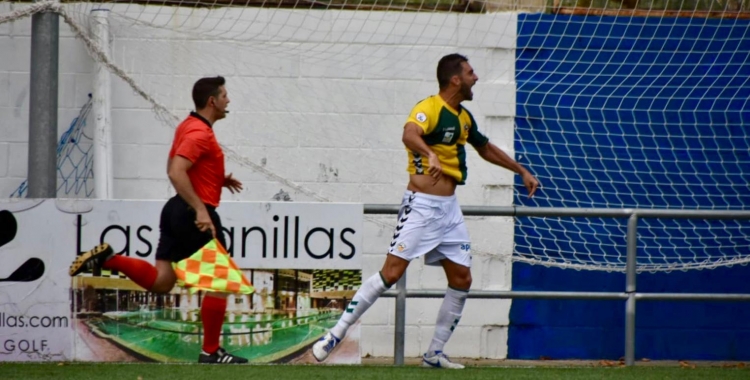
446, 131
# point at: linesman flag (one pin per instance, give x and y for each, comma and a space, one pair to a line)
211, 269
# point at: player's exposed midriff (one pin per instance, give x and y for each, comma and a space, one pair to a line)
423, 183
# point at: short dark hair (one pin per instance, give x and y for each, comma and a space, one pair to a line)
449, 66
205, 88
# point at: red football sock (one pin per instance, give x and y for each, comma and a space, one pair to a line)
212, 314
139, 271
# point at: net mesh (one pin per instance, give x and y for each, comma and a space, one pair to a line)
75, 160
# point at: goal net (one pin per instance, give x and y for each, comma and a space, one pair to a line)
75, 160
611, 104
646, 112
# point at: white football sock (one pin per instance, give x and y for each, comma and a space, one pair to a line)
448, 317
367, 294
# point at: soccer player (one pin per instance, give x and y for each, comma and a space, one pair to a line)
189, 219
430, 222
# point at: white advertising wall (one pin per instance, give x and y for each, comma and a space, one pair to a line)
304, 260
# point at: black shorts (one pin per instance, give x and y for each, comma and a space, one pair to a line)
179, 238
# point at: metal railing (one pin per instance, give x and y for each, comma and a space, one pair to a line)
630, 295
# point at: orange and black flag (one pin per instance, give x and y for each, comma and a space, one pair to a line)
211, 269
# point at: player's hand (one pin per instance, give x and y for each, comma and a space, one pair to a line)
204, 223
530, 182
435, 170
232, 184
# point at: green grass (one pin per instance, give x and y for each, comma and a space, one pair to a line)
80, 371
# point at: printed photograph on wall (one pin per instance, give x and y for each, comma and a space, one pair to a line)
302, 259
116, 320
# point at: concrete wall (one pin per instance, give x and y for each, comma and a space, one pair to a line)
317, 97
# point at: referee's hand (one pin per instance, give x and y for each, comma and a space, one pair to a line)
204, 223
232, 184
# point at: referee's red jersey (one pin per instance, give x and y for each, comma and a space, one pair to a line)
194, 139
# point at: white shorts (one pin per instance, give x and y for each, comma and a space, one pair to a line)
431, 226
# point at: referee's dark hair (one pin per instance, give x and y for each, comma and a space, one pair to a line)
205, 88
449, 66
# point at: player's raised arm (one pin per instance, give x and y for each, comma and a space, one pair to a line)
491, 153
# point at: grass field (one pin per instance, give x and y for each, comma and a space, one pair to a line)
313, 372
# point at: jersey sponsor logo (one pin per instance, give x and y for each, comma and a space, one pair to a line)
448, 136
421, 117
466, 247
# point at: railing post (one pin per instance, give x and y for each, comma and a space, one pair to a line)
630, 289
43, 87
400, 335
630, 295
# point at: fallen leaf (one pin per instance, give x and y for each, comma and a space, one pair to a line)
685, 364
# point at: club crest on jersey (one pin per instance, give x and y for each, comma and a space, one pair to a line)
466, 127
421, 117
401, 247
